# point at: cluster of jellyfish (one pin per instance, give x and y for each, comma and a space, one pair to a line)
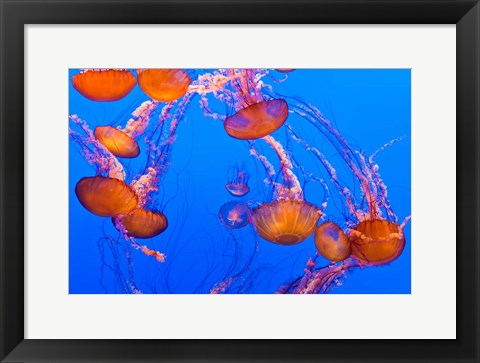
370, 236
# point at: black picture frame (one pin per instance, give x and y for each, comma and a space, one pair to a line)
17, 13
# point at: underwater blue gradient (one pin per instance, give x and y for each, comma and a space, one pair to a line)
369, 107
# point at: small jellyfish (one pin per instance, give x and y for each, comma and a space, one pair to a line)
238, 186
257, 120
377, 242
141, 223
105, 197
287, 221
104, 85
284, 70
117, 142
164, 85
234, 214
332, 242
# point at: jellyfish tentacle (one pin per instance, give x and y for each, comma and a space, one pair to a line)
319, 280
160, 257
100, 156
350, 201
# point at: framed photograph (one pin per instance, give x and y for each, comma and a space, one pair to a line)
240, 181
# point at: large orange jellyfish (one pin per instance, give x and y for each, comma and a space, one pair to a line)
257, 120
286, 222
289, 219
377, 242
256, 114
105, 197
164, 85
104, 85
141, 223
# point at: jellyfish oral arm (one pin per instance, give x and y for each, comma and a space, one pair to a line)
144, 185
160, 257
290, 179
270, 170
137, 125
246, 83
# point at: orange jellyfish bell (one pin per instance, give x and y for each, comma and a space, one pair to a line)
377, 242
164, 85
257, 120
117, 142
286, 222
105, 197
104, 85
141, 223
332, 242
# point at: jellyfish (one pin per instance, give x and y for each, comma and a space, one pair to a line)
141, 223
234, 214
105, 197
286, 222
256, 113
144, 221
376, 236
284, 70
164, 85
377, 242
332, 242
104, 85
238, 185
117, 141
140, 219
289, 219
373, 236
257, 120
121, 142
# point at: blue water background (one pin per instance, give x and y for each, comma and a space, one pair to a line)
369, 107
